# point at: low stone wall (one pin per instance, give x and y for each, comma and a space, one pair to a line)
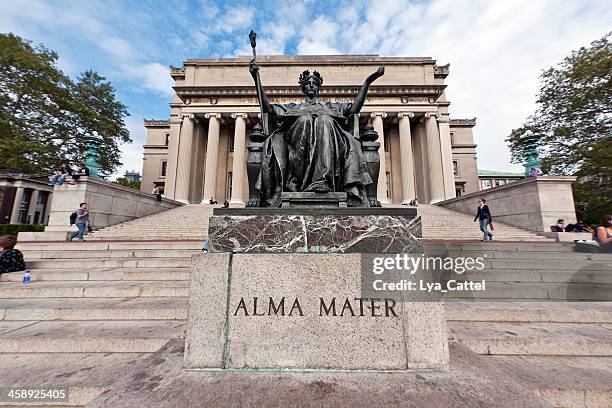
108, 204
535, 203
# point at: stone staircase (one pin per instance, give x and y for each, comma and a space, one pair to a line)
443, 224
95, 309
190, 222
92, 311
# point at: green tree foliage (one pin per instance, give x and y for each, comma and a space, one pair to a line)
96, 109
35, 102
574, 121
125, 182
44, 114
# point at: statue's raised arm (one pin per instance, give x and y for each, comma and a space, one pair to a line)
263, 99
361, 95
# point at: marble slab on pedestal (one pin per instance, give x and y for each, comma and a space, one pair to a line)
348, 231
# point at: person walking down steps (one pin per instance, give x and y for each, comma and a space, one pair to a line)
81, 221
484, 215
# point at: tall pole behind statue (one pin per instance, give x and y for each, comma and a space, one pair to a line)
253, 38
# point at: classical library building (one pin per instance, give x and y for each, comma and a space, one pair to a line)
201, 151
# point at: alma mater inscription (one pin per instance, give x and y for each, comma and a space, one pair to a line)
355, 307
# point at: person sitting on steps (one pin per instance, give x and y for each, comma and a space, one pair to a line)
11, 260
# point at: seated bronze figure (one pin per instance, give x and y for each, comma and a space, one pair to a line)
309, 147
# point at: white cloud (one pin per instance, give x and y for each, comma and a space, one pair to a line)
234, 19
318, 37
152, 76
132, 154
497, 50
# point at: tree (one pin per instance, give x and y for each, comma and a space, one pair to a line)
135, 184
35, 101
96, 109
574, 122
44, 114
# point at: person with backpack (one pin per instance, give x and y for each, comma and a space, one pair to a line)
484, 215
11, 260
81, 218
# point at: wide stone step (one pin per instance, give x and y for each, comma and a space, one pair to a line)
111, 274
87, 336
533, 291
554, 339
85, 375
110, 253
537, 274
170, 238
104, 289
575, 382
29, 309
547, 312
110, 245
524, 255
503, 246
183, 262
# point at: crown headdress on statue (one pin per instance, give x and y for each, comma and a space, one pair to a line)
306, 75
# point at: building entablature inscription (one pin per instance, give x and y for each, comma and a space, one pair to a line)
431, 92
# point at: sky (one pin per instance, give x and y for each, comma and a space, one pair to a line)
496, 48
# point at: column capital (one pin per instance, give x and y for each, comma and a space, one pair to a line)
188, 116
431, 114
381, 114
444, 118
239, 115
209, 115
405, 114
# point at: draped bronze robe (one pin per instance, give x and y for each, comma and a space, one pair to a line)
309, 150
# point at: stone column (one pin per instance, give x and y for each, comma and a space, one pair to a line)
33, 205
173, 148
212, 157
239, 162
183, 169
434, 159
19, 193
447, 157
406, 158
381, 193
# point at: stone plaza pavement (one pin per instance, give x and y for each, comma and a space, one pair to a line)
106, 318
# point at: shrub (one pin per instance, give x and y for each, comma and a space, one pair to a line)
14, 229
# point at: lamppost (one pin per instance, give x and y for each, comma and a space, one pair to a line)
530, 151
92, 154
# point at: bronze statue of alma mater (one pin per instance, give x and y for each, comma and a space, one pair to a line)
308, 146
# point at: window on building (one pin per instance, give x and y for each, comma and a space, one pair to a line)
231, 143
167, 142
164, 167
458, 190
486, 184
501, 182
228, 188
452, 137
388, 179
455, 167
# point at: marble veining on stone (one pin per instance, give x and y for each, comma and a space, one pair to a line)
315, 233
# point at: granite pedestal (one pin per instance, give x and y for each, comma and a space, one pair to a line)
304, 311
